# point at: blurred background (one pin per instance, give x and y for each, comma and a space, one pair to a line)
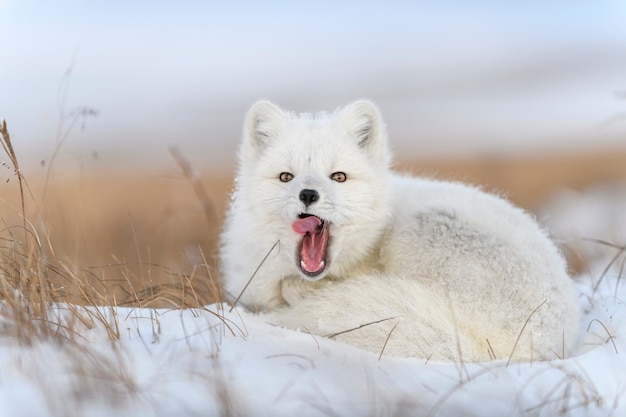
526, 98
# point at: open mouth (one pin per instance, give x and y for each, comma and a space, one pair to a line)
314, 244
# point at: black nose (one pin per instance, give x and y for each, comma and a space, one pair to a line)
309, 197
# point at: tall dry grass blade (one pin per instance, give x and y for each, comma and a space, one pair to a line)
215, 291
7, 147
519, 336
490, 352
611, 337
63, 127
330, 336
621, 250
253, 275
198, 188
387, 340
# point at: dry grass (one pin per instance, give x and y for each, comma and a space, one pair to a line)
95, 243
24, 286
144, 238
134, 239
141, 240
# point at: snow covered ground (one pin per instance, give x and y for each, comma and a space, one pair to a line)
211, 361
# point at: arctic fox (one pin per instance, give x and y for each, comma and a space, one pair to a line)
322, 236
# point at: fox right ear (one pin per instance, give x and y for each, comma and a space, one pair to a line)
263, 122
362, 120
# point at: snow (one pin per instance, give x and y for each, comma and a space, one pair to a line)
212, 361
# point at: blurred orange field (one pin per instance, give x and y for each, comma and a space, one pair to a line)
154, 238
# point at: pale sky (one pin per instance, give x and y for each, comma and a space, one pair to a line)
450, 77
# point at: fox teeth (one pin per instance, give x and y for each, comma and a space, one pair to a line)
319, 266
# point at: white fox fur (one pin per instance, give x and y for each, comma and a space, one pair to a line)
425, 268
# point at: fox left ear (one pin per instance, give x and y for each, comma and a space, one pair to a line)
263, 122
365, 124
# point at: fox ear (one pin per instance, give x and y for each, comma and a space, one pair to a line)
365, 124
263, 122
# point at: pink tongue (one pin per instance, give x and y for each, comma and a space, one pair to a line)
306, 225
313, 246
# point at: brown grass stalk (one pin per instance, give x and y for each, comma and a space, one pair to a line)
7, 147
519, 336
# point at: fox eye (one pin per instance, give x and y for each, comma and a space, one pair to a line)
285, 176
339, 176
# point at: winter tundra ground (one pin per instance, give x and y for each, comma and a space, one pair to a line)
102, 332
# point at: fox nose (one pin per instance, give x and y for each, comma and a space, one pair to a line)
309, 197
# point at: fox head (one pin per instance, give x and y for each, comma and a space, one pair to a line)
317, 182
